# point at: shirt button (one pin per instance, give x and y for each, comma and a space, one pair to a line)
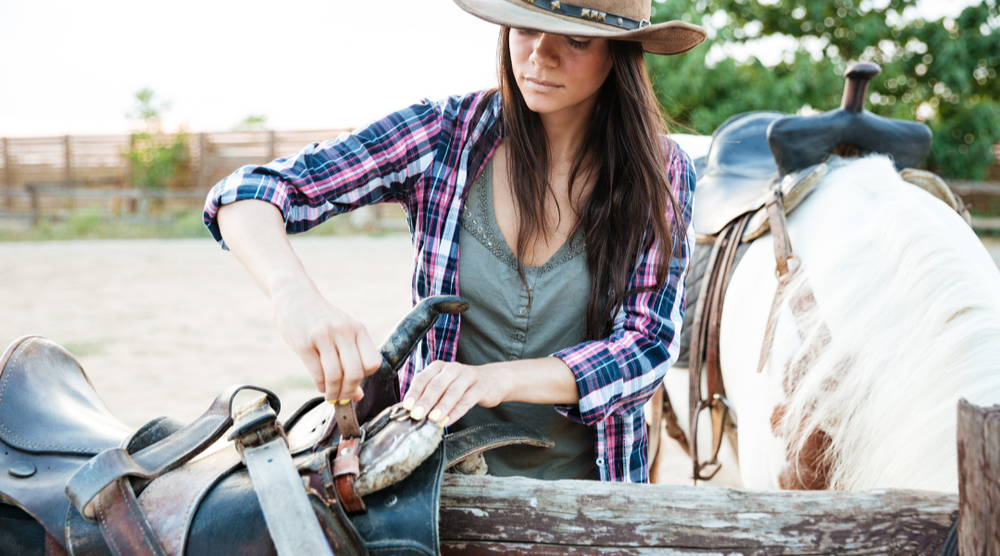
522, 311
512, 358
519, 336
600, 462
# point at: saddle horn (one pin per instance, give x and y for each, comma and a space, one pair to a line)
382, 388
856, 88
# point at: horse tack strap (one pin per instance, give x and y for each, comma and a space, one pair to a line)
105, 468
123, 523
346, 466
705, 346
290, 519
787, 265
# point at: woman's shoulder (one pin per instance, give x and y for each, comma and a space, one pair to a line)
680, 168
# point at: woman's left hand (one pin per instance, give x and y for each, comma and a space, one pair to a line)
444, 392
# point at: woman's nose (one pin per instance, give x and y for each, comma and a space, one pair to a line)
545, 52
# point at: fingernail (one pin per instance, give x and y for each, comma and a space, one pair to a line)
444, 422
434, 415
417, 413
345, 402
331, 402
408, 403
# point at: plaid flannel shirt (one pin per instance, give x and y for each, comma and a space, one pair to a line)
423, 157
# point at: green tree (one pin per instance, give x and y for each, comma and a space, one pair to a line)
940, 72
253, 122
156, 157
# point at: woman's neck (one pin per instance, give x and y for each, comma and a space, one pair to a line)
565, 131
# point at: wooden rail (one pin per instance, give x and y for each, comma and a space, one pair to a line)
492, 515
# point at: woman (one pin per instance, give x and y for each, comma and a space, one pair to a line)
554, 204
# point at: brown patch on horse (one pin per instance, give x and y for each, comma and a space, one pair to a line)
811, 470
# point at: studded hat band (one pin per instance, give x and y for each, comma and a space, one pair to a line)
579, 12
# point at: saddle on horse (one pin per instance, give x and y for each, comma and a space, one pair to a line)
81, 482
759, 168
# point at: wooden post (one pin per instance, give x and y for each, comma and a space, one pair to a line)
68, 171
8, 174
272, 146
35, 205
202, 161
494, 515
978, 480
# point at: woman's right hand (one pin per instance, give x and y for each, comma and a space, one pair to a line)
336, 349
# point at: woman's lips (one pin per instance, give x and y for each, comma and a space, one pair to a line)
540, 85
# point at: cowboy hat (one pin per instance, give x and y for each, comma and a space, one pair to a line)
624, 20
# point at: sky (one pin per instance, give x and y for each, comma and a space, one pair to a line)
73, 67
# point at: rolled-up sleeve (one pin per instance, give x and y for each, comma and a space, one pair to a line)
378, 163
618, 374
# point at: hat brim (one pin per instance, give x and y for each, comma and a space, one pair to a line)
671, 37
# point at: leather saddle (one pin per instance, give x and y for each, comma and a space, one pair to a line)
78, 481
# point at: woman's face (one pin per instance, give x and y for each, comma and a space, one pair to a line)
555, 72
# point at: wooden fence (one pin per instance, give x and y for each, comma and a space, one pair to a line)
494, 515
43, 175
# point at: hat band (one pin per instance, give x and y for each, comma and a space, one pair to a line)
579, 12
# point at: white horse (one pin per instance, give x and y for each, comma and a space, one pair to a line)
862, 394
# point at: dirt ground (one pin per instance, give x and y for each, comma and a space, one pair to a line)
162, 326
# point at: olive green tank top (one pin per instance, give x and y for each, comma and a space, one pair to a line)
501, 325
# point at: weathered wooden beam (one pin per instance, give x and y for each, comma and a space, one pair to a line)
488, 515
978, 476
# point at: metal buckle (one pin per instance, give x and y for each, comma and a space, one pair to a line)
644, 23
719, 407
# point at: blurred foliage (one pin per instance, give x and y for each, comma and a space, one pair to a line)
940, 72
253, 122
157, 159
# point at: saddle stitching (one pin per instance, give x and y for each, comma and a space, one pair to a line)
141, 515
102, 519
6, 379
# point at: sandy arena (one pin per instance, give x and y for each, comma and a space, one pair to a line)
162, 326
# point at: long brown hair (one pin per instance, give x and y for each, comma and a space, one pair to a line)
623, 150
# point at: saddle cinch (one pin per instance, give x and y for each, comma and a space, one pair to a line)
80, 482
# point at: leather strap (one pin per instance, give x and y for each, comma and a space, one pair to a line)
787, 264
108, 466
589, 14
346, 469
705, 346
462, 445
123, 524
52, 546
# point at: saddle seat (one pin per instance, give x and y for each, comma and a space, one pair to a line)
52, 421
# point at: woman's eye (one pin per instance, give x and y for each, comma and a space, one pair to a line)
525, 32
580, 45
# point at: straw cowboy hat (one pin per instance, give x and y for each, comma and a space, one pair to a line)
624, 20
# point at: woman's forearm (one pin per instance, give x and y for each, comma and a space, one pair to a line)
336, 349
255, 233
540, 381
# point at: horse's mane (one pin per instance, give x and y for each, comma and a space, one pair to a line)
918, 319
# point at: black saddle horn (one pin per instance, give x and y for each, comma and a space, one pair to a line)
382, 388
858, 76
